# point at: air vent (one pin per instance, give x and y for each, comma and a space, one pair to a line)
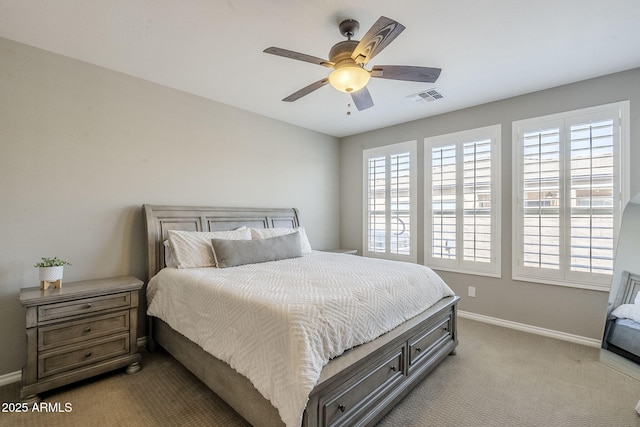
427, 95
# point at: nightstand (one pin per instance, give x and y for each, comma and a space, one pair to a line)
78, 331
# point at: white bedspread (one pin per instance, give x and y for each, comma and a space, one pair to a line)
278, 323
627, 311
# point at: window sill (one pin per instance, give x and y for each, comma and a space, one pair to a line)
494, 274
601, 287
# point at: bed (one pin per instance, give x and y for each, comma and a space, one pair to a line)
356, 387
622, 329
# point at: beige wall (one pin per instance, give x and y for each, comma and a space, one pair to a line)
573, 311
82, 148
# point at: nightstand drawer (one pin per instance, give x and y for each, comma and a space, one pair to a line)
82, 306
61, 334
68, 358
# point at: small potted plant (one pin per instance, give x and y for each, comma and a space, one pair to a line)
51, 271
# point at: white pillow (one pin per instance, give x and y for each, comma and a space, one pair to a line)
265, 233
627, 311
192, 249
169, 261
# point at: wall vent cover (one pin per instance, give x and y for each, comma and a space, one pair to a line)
426, 95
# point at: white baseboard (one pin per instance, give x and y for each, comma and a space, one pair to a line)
10, 378
590, 342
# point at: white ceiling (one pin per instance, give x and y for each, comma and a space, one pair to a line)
488, 50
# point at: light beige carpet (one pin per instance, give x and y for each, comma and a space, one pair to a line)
500, 377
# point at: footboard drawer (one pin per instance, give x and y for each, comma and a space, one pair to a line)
363, 391
363, 384
423, 342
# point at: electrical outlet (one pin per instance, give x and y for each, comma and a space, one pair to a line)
472, 291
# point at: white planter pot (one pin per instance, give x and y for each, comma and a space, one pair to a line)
51, 274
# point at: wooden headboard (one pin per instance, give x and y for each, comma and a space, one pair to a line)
629, 288
160, 219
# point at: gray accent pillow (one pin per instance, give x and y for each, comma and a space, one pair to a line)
230, 253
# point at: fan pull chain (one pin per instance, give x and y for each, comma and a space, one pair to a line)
348, 107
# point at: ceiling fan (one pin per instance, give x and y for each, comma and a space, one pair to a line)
347, 59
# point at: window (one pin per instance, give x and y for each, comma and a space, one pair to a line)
462, 197
569, 189
390, 198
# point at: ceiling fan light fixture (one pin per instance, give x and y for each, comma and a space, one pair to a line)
349, 78
349, 57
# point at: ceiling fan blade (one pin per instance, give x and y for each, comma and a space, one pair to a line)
362, 99
306, 90
407, 73
383, 32
298, 56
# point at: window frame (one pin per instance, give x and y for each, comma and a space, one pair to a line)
564, 276
459, 264
387, 151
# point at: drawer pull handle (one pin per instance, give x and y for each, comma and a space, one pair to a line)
393, 368
87, 305
418, 349
87, 330
342, 408
87, 354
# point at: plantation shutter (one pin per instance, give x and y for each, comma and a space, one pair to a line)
591, 196
571, 179
462, 190
443, 202
541, 199
390, 201
376, 196
400, 201
476, 236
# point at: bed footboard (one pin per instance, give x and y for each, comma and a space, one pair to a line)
363, 384
622, 340
359, 387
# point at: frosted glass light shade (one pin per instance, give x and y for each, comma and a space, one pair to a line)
349, 79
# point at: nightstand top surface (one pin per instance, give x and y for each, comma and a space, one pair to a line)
82, 289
